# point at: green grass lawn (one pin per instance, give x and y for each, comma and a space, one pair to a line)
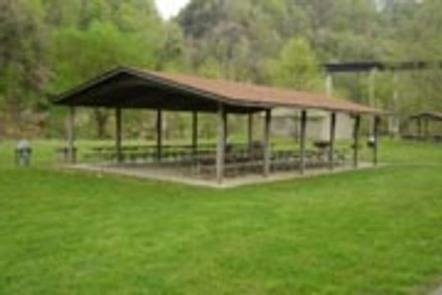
367, 232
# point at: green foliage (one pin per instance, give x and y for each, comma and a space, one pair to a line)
171, 55
297, 67
210, 68
51, 45
23, 70
237, 35
103, 47
237, 38
416, 36
48, 46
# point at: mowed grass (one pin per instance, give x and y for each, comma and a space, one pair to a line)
367, 232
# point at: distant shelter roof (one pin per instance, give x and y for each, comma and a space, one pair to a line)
366, 66
436, 116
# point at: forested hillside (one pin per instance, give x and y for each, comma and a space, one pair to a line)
48, 46
283, 41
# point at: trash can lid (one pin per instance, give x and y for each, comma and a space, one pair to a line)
23, 144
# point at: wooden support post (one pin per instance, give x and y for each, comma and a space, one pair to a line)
159, 126
266, 150
377, 123
220, 151
427, 128
372, 88
118, 137
303, 141
394, 124
71, 136
331, 154
356, 141
329, 85
226, 128
419, 128
372, 94
194, 133
250, 132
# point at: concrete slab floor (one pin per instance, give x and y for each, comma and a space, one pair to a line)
437, 291
173, 175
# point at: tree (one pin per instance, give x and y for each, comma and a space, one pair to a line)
48, 46
236, 34
420, 39
296, 67
23, 70
80, 55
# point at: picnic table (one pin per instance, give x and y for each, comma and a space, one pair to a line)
322, 144
169, 153
240, 159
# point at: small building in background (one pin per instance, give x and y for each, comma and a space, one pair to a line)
423, 126
286, 122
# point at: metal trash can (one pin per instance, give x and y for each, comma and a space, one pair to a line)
371, 143
23, 153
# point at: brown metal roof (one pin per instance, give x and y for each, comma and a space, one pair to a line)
126, 87
266, 96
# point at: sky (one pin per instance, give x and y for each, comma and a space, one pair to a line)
170, 8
